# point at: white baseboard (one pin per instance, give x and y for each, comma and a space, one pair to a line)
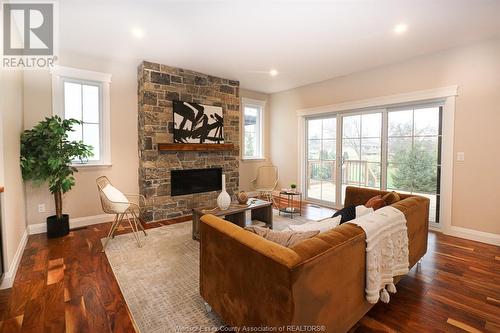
434, 228
73, 223
475, 235
10, 275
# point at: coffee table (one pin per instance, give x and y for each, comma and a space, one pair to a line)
236, 213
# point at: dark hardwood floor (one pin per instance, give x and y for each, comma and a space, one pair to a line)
66, 285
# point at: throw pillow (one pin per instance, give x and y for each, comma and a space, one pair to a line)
119, 202
285, 238
346, 214
376, 202
321, 226
391, 198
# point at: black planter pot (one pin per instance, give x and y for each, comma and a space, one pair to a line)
57, 227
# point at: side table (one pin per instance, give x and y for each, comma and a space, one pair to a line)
290, 207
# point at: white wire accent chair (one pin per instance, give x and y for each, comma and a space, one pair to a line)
124, 206
265, 182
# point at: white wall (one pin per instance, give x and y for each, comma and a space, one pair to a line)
13, 200
248, 168
82, 200
474, 68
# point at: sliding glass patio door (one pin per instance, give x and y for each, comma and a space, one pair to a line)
413, 154
390, 149
321, 152
361, 150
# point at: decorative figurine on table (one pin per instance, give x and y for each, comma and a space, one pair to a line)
242, 197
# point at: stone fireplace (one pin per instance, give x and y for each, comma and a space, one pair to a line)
158, 86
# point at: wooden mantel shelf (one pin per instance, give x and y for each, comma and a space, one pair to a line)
195, 146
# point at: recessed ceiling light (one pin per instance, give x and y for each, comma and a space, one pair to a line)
137, 32
400, 28
273, 72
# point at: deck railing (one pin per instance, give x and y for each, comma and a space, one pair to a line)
353, 172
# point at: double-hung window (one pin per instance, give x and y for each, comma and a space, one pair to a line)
84, 96
252, 129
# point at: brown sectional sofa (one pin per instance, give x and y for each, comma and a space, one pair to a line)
250, 281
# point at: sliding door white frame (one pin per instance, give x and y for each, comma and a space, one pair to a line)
445, 95
415, 106
305, 190
340, 138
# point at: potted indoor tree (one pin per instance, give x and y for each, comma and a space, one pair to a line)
46, 156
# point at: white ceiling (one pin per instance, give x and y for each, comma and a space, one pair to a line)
306, 41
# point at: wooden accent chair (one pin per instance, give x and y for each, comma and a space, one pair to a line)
121, 205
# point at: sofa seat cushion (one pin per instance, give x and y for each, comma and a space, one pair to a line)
285, 238
322, 225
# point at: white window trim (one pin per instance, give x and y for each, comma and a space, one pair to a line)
446, 94
59, 73
262, 105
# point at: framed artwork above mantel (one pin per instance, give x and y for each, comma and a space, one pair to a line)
197, 123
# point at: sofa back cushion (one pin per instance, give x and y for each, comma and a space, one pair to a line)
327, 241
359, 196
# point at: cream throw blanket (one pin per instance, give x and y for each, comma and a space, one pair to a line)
386, 251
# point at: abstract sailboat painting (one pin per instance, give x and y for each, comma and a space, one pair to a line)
197, 123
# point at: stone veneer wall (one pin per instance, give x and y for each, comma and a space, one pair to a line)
158, 86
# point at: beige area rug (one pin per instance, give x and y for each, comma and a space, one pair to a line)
281, 222
160, 281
